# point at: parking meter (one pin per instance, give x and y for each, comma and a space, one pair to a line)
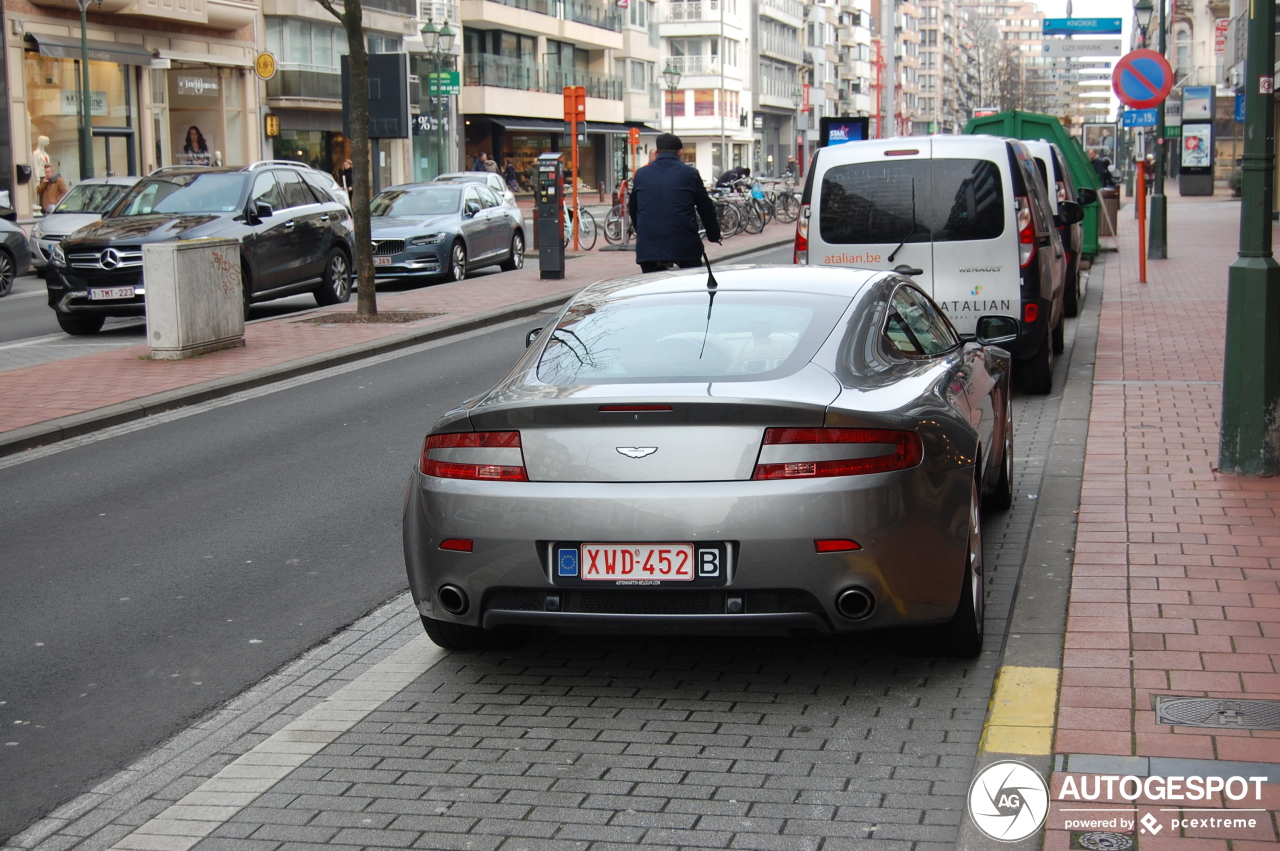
550, 215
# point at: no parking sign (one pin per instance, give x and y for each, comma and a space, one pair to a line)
1142, 79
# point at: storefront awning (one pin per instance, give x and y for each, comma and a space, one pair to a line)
166, 58
534, 125
62, 47
614, 127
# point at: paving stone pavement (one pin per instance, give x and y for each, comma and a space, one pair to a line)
566, 743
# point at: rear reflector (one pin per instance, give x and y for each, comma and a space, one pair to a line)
902, 450
836, 545
460, 545
1030, 312
626, 409
475, 469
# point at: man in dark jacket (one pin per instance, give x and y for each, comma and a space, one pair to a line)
665, 203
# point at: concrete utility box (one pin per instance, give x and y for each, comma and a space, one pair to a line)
194, 299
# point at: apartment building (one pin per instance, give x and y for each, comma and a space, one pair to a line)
854, 71
157, 71
942, 106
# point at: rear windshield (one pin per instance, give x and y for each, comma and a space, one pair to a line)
943, 200
688, 337
91, 198
185, 193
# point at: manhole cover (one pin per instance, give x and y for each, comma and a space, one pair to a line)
1099, 841
1211, 712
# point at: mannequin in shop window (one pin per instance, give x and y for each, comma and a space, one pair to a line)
196, 149
40, 156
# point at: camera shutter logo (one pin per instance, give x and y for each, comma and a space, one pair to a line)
1008, 801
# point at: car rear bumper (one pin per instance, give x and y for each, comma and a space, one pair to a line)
911, 526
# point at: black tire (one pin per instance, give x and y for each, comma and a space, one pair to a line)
335, 285
752, 218
613, 227
80, 326
586, 231
456, 267
730, 220
8, 271
515, 260
246, 288
457, 636
786, 207
1037, 372
1072, 298
1001, 497
961, 637
1060, 337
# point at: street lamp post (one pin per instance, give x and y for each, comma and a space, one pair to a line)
671, 75
86, 127
439, 44
796, 97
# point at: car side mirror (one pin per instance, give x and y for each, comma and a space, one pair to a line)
996, 330
263, 210
1086, 196
472, 209
531, 336
1070, 213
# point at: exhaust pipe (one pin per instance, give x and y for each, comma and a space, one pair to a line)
452, 599
855, 603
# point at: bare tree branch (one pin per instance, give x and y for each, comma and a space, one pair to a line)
328, 7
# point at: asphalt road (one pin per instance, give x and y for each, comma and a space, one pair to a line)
153, 575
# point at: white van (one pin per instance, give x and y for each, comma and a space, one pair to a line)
966, 217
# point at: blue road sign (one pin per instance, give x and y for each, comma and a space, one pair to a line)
1073, 26
1142, 79
1139, 117
1239, 116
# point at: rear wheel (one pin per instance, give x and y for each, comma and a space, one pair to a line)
457, 636
786, 207
80, 326
962, 635
1072, 297
613, 227
8, 271
516, 259
1060, 337
335, 287
586, 230
730, 220
1037, 372
752, 218
456, 270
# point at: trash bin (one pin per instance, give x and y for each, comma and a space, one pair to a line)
1110, 197
194, 299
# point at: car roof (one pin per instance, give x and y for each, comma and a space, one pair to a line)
822, 280
470, 176
116, 180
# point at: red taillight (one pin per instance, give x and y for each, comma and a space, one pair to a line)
903, 449
801, 254
458, 545
1026, 231
497, 468
903, 152
836, 545
1030, 312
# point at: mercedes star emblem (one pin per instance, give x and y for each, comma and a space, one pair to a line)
109, 259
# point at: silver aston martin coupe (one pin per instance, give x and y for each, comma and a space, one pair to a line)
765, 449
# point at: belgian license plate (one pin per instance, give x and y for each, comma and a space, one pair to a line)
623, 564
382, 261
106, 293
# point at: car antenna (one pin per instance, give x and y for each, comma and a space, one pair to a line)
711, 300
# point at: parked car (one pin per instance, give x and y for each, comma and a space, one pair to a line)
965, 216
790, 449
294, 237
15, 255
494, 181
86, 202
1052, 166
433, 229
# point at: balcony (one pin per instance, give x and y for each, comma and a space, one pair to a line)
408, 8
504, 73
781, 48
304, 81
439, 11
579, 11
694, 10
789, 11
695, 65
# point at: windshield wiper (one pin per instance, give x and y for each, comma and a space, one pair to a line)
911, 232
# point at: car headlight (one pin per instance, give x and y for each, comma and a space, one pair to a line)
57, 256
36, 232
429, 239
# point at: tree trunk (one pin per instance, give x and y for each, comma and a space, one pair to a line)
361, 192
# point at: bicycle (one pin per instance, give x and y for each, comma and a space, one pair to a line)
615, 225
727, 213
783, 198
586, 228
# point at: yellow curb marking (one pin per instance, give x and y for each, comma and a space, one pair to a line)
1021, 717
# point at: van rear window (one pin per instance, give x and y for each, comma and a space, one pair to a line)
945, 200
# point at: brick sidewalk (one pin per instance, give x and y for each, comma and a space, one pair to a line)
1177, 566
77, 386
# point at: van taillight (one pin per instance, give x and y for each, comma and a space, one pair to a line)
899, 450
1062, 191
801, 255
490, 456
1026, 231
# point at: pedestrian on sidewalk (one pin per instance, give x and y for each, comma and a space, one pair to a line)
667, 200
50, 189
